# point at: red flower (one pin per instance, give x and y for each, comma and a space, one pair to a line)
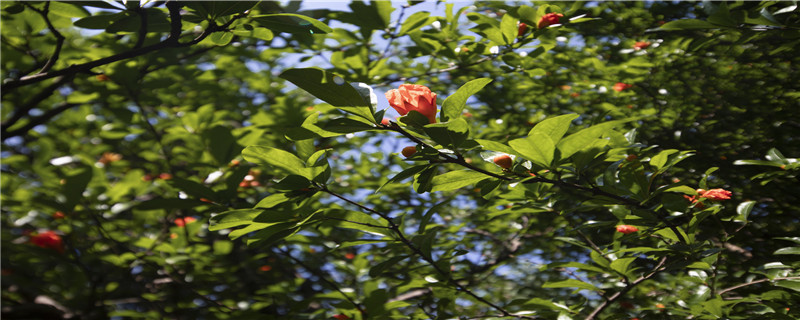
59, 215
522, 28
109, 157
619, 86
341, 317
639, 45
265, 268
549, 19
716, 194
350, 256
626, 229
181, 222
413, 97
503, 161
165, 176
48, 240
385, 121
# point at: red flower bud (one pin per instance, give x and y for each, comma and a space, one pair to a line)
631, 157
409, 151
522, 28
549, 19
165, 176
265, 268
341, 317
639, 45
503, 161
619, 86
413, 97
101, 77
385, 121
350, 256
626, 229
181, 222
716, 194
48, 240
59, 215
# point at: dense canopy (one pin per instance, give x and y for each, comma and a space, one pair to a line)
400, 160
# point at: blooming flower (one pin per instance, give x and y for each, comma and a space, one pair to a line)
619, 86
413, 97
181, 222
626, 229
716, 194
639, 45
549, 19
48, 240
693, 200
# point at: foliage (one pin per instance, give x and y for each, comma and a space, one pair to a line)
236, 160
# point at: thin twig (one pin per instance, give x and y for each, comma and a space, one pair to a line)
59, 37
723, 291
603, 305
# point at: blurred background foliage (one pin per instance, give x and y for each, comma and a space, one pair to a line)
117, 123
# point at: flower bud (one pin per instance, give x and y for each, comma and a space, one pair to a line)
503, 161
626, 229
409, 151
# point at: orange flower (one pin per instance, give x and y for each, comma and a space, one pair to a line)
522, 28
385, 121
503, 161
626, 229
639, 45
109, 157
549, 19
165, 176
716, 194
181, 222
341, 317
101, 77
48, 240
413, 97
619, 86
350, 256
59, 215
265, 268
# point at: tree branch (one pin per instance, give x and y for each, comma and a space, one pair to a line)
603, 305
59, 37
723, 291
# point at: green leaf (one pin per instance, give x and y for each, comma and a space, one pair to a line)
554, 127
407, 173
221, 38
714, 306
453, 106
658, 161
789, 284
74, 185
330, 88
622, 265
332, 128
379, 268
272, 200
581, 139
682, 189
216, 9
688, 24
100, 21
414, 22
451, 134
508, 28
538, 148
743, 211
496, 146
357, 221
788, 250
233, 218
456, 179
193, 188
571, 283
280, 159
222, 145
291, 23
67, 10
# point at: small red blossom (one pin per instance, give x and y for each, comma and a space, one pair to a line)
549, 19
244, 184
639, 45
341, 317
233, 163
48, 240
147, 177
660, 306
413, 97
181, 222
619, 86
522, 28
165, 176
59, 215
265, 268
350, 256
385, 121
716, 194
631, 157
626, 229
503, 161
173, 235
102, 78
